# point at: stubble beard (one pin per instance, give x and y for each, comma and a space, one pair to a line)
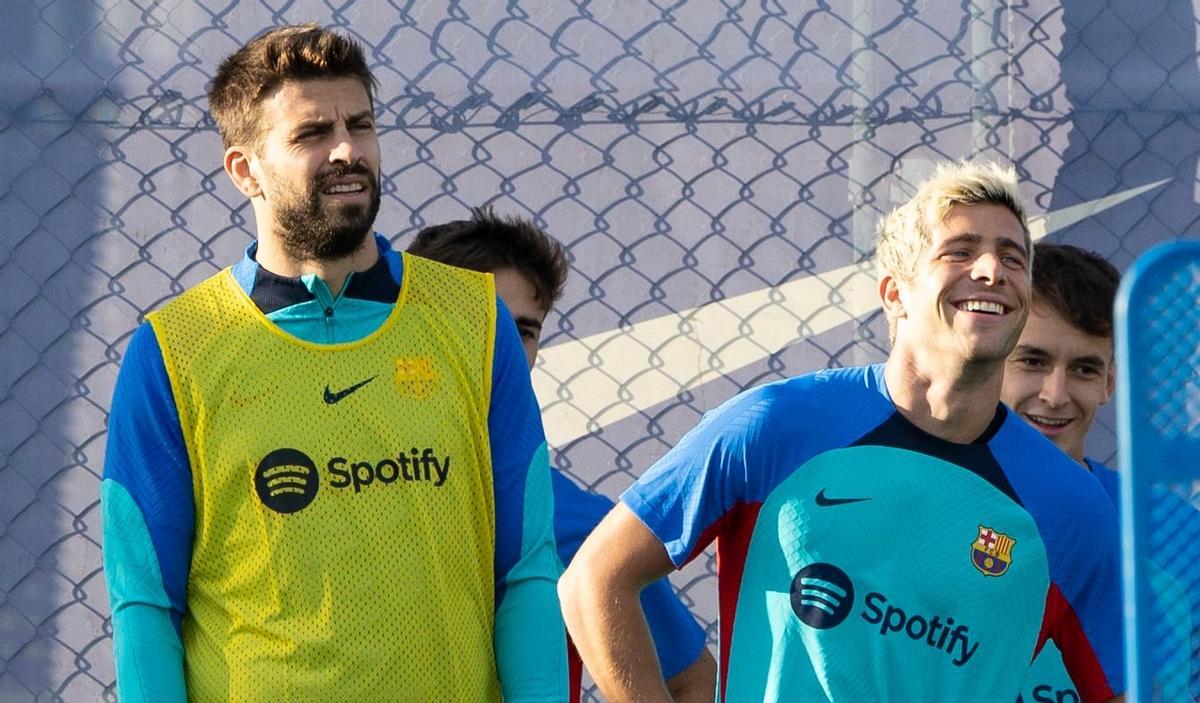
309, 231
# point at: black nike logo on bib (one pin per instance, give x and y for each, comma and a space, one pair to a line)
331, 397
825, 501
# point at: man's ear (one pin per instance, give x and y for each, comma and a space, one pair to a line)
889, 296
239, 164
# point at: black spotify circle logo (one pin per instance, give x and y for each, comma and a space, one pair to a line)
822, 595
286, 480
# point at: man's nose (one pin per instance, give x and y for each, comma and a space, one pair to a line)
344, 149
1054, 388
987, 268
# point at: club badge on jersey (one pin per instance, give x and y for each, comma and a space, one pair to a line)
991, 552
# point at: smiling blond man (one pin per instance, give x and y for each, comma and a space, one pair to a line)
883, 533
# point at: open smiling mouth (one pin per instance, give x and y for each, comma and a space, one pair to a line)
344, 188
1051, 422
983, 306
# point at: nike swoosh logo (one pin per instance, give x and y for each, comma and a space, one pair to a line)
587, 384
825, 501
331, 397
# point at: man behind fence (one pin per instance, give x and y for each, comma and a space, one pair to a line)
530, 269
883, 533
326, 475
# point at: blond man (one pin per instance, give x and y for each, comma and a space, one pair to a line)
883, 533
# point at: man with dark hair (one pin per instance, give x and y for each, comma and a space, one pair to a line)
529, 266
1061, 371
326, 476
530, 269
1057, 377
883, 533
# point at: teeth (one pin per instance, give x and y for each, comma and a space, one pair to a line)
348, 188
982, 306
1051, 421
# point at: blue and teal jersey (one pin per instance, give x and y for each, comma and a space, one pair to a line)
861, 558
150, 511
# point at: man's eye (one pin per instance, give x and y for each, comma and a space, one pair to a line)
1030, 362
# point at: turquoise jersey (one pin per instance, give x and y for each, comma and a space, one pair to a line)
862, 559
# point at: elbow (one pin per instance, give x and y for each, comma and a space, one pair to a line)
570, 595
581, 595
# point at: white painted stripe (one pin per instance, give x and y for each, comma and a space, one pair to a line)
586, 384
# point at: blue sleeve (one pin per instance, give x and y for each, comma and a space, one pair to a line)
530, 637
700, 480
678, 640
148, 514
740, 451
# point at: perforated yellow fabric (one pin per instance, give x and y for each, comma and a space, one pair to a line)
345, 524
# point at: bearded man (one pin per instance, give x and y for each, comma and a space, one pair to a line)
304, 494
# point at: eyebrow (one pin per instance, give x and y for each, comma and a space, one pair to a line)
1030, 349
973, 238
325, 122
524, 321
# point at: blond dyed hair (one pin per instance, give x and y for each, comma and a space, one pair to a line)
906, 232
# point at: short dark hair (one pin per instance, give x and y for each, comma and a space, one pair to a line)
488, 242
293, 52
1078, 285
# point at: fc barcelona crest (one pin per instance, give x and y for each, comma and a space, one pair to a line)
991, 552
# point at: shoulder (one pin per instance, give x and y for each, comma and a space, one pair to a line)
1107, 477
1028, 455
417, 265
1060, 494
815, 395
205, 300
793, 418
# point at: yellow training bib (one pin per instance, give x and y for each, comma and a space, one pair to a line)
345, 523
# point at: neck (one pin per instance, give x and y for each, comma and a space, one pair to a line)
953, 402
272, 256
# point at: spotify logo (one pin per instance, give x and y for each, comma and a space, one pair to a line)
822, 595
286, 480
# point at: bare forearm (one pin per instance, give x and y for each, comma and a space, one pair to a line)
610, 631
601, 606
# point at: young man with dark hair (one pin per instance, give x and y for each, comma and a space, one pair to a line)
1057, 377
326, 475
1061, 371
530, 268
883, 533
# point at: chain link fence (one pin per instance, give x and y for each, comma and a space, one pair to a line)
715, 170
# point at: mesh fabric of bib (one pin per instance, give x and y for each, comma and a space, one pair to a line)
345, 524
